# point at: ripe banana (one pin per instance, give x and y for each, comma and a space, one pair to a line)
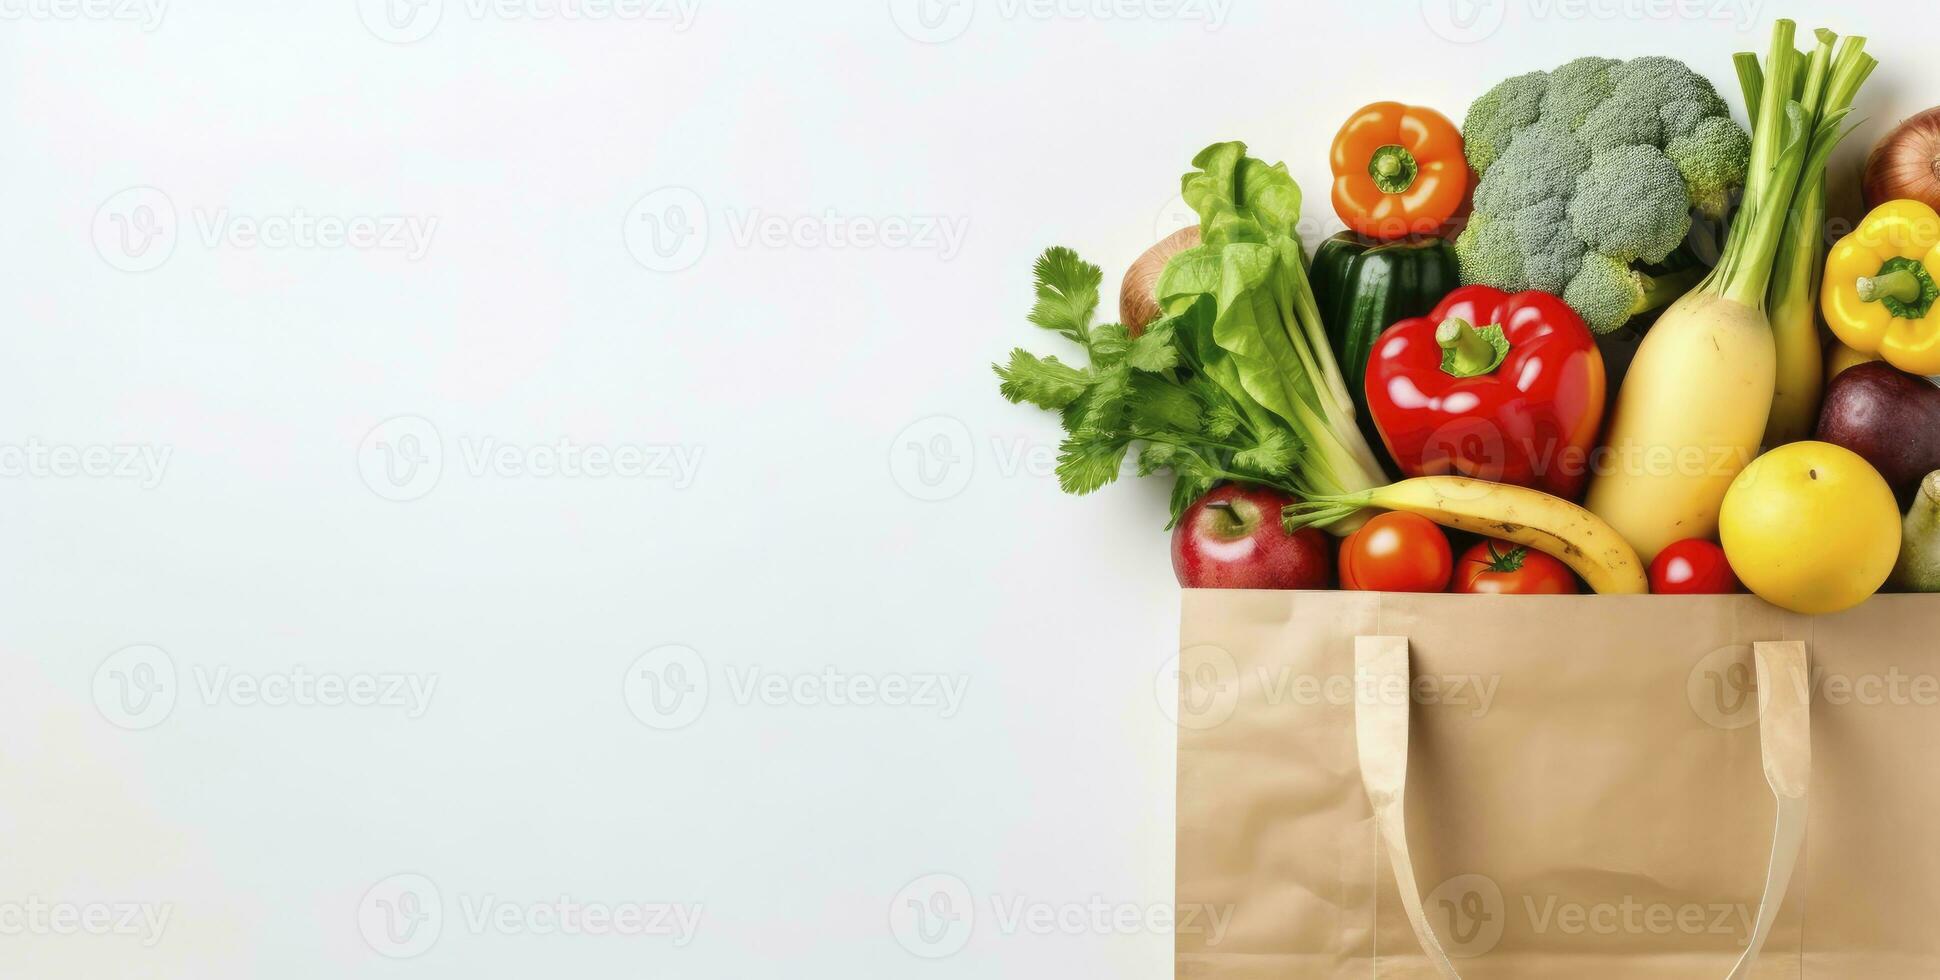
1551, 525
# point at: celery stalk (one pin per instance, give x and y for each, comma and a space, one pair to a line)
1830, 83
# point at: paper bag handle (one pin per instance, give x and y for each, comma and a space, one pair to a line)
1383, 688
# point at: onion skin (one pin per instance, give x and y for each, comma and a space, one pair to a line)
1138, 301
1905, 165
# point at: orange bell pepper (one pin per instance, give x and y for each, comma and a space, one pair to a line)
1398, 171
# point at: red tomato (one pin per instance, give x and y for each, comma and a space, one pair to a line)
1347, 580
1499, 567
1692, 566
1396, 552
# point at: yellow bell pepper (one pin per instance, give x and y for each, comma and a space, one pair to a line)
1841, 357
1880, 287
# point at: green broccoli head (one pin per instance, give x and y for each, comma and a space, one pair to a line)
1631, 205
1713, 159
1597, 160
1494, 119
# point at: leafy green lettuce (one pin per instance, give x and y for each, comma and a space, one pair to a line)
1252, 271
1236, 382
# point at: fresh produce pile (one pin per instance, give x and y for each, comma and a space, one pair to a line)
1776, 430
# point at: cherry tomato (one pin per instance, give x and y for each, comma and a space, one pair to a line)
1692, 566
1502, 568
1396, 552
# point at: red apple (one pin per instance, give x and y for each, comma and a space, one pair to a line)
1231, 538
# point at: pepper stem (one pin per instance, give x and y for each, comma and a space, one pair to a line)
1468, 351
1393, 168
1898, 284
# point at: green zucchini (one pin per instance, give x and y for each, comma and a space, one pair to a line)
1364, 287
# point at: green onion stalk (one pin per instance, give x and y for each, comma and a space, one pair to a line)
1824, 91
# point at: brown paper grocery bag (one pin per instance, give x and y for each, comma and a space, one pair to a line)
1584, 787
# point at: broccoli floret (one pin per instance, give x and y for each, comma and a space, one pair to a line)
1681, 118
1488, 252
1591, 170
1576, 88
1494, 119
1607, 293
1622, 120
1603, 291
1543, 162
1682, 97
1551, 252
1713, 159
1661, 81
1631, 205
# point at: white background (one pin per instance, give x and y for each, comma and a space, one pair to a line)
857, 504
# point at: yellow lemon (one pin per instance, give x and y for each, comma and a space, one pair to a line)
1810, 527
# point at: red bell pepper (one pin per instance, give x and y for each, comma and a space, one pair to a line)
1490, 385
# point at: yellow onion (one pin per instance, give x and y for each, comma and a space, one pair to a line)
1138, 301
1906, 163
